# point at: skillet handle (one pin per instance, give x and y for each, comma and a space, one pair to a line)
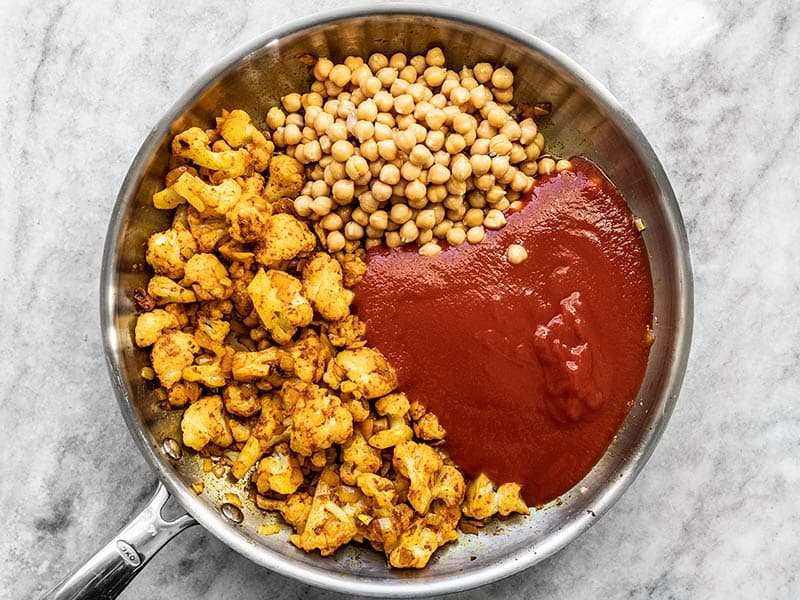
112, 568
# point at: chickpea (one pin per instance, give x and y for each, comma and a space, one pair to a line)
436, 193
430, 249
389, 174
363, 130
323, 68
461, 168
384, 101
435, 118
342, 150
292, 134
440, 229
387, 149
494, 219
356, 167
410, 171
517, 154
456, 187
370, 86
500, 165
278, 137
516, 254
321, 206
308, 134
497, 117
302, 205
291, 102
546, 166
434, 76
275, 117
438, 100
407, 74
319, 188
455, 143
335, 241
481, 163
379, 220
313, 151
426, 219
359, 75
372, 233
377, 61
502, 78
456, 237
454, 202
331, 89
381, 191
386, 76
435, 140
337, 131
459, 95
393, 239
425, 237
368, 203
563, 165
484, 182
405, 122
359, 216
521, 182
479, 96
419, 64
398, 60
400, 213
529, 168
420, 155
353, 231
415, 190
438, 174
482, 72
409, 232
311, 99
500, 144
504, 96
405, 140
448, 86
473, 217
343, 191
475, 235
331, 221
485, 130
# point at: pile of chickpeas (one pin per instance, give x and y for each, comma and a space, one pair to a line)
401, 150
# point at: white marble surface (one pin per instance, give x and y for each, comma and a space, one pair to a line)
714, 85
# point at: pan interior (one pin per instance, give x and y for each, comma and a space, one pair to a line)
585, 120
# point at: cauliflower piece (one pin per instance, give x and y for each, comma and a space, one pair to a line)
395, 407
150, 325
213, 200
210, 375
358, 457
310, 356
171, 353
266, 364
237, 129
286, 178
248, 219
268, 431
211, 329
241, 430
164, 291
168, 251
482, 501
279, 472
280, 305
361, 371
284, 238
183, 393
428, 428
167, 199
204, 422
449, 486
350, 332
207, 230
426, 534
421, 464
241, 399
318, 418
194, 145
328, 525
509, 500
322, 285
388, 524
353, 268
208, 277
380, 489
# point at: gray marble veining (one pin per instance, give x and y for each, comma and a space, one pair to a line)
714, 87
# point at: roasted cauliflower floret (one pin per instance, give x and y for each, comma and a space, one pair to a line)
347, 333
449, 486
207, 230
237, 129
421, 464
168, 251
268, 364
322, 285
172, 352
248, 218
310, 356
210, 374
353, 268
183, 393
194, 145
279, 472
286, 178
208, 277
395, 408
379, 489
165, 291
277, 299
329, 525
362, 371
318, 418
428, 428
427, 533
150, 325
241, 399
388, 524
268, 431
284, 238
358, 457
482, 501
204, 422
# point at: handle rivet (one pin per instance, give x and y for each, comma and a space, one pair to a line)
171, 448
232, 512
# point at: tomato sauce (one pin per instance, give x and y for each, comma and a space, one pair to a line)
531, 368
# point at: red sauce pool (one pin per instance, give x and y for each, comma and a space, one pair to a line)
530, 368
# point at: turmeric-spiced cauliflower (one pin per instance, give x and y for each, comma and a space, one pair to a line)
249, 326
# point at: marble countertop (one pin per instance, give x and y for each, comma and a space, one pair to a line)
714, 87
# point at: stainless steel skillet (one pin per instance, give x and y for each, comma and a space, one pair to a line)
586, 120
